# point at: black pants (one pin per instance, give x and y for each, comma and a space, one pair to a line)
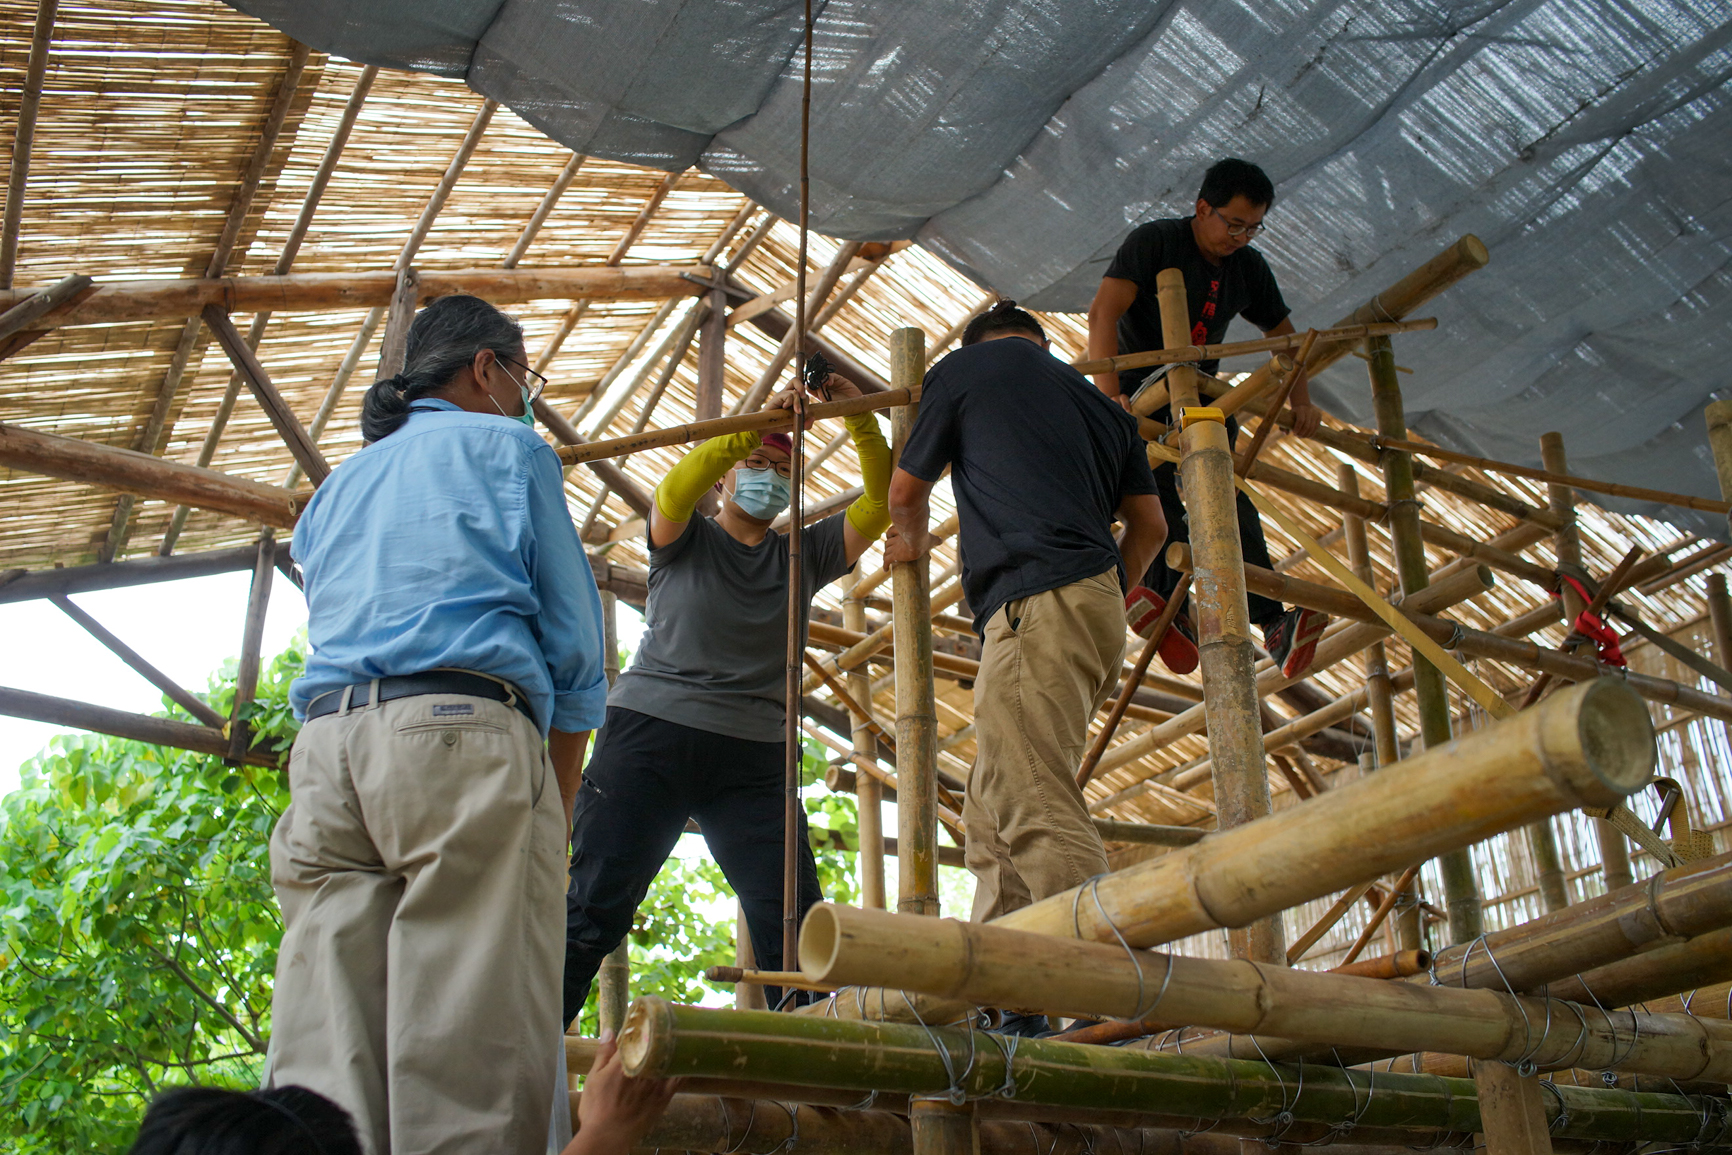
646, 778
1163, 580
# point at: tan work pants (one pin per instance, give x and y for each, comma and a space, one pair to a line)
421, 873
1046, 665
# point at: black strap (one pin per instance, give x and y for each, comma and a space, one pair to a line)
416, 685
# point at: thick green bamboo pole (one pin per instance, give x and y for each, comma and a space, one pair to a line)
1461, 891
662, 1039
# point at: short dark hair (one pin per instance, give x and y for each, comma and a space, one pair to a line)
1003, 317
1233, 177
215, 1121
443, 338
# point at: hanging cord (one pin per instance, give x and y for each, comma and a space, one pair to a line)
792, 818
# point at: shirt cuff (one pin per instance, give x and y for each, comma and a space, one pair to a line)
575, 711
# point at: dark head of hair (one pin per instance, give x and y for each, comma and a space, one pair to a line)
214, 1121
1003, 317
1233, 177
444, 337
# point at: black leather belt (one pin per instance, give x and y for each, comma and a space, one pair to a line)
414, 685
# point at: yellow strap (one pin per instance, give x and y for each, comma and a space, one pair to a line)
1487, 697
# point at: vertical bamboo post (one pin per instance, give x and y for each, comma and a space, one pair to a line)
916, 713
613, 980
869, 792
712, 358
1567, 543
1512, 1111
1719, 415
939, 1127
1720, 612
252, 640
1377, 691
1223, 620
747, 996
1461, 890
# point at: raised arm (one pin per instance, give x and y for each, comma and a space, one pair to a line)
1306, 416
1111, 300
910, 509
678, 494
869, 516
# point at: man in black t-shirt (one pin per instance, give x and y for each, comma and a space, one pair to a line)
1040, 463
1224, 278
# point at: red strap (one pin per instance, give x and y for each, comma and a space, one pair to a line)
1594, 628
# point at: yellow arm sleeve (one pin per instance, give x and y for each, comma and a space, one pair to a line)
686, 483
870, 513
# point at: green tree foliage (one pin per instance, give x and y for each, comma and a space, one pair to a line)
138, 932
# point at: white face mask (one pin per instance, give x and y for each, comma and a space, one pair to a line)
528, 414
761, 493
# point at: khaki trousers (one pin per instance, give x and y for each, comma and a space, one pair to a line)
421, 874
1046, 665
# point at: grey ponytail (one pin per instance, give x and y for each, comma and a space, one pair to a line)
444, 337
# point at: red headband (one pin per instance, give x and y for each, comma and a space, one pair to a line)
778, 441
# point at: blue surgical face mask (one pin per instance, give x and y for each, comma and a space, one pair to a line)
761, 493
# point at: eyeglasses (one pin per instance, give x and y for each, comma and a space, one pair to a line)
1236, 229
782, 468
540, 383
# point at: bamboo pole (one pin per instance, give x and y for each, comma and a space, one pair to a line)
1351, 334
1542, 840
764, 420
118, 301
281, 416
1653, 975
869, 791
123, 724
1378, 694
539, 217
26, 585
809, 305
916, 712
988, 965
895, 1058
1461, 891
23, 136
938, 1126
1226, 653
24, 314
145, 475
240, 730
1512, 1111
187, 701
1550, 477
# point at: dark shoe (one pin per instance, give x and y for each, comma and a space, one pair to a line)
1017, 1023
1292, 640
1143, 608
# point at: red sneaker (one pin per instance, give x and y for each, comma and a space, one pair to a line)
1143, 608
1292, 640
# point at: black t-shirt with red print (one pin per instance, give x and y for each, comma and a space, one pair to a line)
1242, 285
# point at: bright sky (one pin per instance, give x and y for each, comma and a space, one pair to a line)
187, 629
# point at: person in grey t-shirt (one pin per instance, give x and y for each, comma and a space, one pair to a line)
695, 727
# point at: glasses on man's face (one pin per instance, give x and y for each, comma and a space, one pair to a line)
536, 385
782, 468
1241, 229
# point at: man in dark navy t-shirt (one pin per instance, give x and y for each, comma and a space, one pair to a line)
1224, 278
1040, 464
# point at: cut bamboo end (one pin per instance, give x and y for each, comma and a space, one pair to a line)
645, 1046
1601, 745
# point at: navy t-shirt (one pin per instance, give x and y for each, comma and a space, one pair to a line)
1241, 285
1039, 461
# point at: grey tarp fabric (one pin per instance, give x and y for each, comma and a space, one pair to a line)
1588, 144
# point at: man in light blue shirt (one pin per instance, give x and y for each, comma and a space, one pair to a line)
455, 677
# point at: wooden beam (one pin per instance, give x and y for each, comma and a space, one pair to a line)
23, 586
393, 349
22, 315
145, 475
610, 473
187, 701
252, 642
282, 418
23, 136
120, 301
121, 724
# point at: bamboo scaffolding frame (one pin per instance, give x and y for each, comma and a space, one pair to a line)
123, 724
988, 965
862, 1056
